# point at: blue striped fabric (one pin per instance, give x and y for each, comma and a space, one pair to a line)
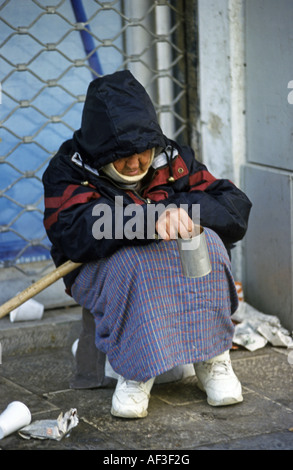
149, 317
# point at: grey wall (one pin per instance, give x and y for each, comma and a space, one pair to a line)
268, 174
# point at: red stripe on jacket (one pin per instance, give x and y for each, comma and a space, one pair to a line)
201, 180
77, 199
54, 202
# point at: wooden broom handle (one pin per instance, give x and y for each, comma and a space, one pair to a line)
37, 287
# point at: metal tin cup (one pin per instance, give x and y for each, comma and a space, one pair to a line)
194, 254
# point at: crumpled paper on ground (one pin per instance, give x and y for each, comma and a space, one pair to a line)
255, 329
51, 428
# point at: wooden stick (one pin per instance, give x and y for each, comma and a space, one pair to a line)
37, 287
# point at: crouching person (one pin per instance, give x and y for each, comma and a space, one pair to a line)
148, 317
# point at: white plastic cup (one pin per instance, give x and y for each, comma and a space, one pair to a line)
14, 417
29, 310
74, 347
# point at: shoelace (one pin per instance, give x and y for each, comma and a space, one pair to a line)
132, 385
220, 368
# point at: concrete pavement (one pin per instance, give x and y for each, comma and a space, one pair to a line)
37, 365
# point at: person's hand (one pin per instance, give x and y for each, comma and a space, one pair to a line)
174, 223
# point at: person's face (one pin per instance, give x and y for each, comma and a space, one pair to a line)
135, 164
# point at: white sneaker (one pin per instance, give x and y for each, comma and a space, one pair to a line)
217, 378
131, 398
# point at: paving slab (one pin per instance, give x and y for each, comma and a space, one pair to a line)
179, 418
57, 328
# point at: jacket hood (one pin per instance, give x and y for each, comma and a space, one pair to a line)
118, 120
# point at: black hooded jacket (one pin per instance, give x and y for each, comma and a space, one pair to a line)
119, 120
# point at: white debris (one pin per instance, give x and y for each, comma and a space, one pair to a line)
255, 329
246, 336
51, 428
276, 336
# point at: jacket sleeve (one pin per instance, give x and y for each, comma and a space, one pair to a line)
223, 207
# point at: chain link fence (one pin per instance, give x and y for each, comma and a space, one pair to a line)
48, 55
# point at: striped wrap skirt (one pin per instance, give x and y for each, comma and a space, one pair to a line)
149, 317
